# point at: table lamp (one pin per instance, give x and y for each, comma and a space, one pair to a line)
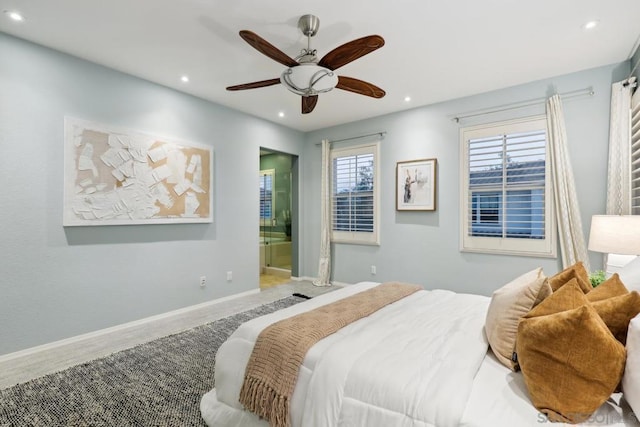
617, 235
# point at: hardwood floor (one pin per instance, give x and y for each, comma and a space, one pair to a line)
269, 280
38, 361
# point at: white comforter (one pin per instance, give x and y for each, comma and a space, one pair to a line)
411, 363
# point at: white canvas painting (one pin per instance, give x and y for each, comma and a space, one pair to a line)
115, 177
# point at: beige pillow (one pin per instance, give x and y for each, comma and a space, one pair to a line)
508, 305
570, 362
612, 287
576, 271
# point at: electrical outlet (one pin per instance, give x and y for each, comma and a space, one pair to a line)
203, 281
229, 276
373, 270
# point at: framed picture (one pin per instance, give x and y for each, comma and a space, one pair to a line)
416, 185
116, 176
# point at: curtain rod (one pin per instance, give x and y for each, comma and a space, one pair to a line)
516, 105
381, 133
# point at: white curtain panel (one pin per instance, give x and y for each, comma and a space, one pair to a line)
572, 242
618, 178
324, 263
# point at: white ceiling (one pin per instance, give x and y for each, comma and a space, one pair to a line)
435, 49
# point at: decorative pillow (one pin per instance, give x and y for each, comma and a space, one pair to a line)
567, 297
508, 305
612, 287
576, 271
631, 378
570, 362
630, 275
617, 312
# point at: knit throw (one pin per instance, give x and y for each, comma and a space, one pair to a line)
272, 371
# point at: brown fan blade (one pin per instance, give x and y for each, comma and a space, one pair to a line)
351, 51
266, 48
255, 85
360, 87
309, 103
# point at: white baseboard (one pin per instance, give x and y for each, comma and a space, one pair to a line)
25, 365
341, 284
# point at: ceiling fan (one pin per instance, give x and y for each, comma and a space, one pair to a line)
305, 75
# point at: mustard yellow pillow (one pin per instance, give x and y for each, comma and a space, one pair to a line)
567, 297
617, 312
570, 362
576, 271
612, 287
508, 305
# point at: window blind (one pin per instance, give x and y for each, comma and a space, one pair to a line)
635, 153
506, 179
352, 193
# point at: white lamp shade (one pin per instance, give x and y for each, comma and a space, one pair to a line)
615, 234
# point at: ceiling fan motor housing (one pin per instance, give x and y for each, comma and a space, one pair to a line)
309, 25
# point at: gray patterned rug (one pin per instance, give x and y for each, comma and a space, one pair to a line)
159, 383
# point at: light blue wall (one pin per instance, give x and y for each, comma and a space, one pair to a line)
423, 247
56, 282
635, 62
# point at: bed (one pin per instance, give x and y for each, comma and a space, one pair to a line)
421, 361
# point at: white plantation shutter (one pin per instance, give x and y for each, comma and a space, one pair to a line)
354, 194
506, 185
505, 194
635, 153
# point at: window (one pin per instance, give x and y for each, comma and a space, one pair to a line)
635, 153
354, 194
506, 197
267, 205
485, 209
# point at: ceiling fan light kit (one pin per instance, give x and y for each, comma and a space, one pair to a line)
308, 77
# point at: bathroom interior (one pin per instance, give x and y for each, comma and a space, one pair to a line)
276, 195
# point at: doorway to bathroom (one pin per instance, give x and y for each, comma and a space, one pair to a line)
278, 217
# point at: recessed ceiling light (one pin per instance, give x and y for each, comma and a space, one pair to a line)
407, 99
281, 114
184, 79
16, 16
590, 25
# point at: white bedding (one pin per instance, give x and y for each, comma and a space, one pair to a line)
499, 398
376, 371
422, 361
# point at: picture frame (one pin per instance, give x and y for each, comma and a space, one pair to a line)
118, 176
416, 185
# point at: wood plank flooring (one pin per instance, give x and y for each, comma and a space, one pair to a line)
32, 363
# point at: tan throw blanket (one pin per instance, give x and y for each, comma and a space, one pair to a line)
272, 370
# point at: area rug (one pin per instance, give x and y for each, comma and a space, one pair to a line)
159, 383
